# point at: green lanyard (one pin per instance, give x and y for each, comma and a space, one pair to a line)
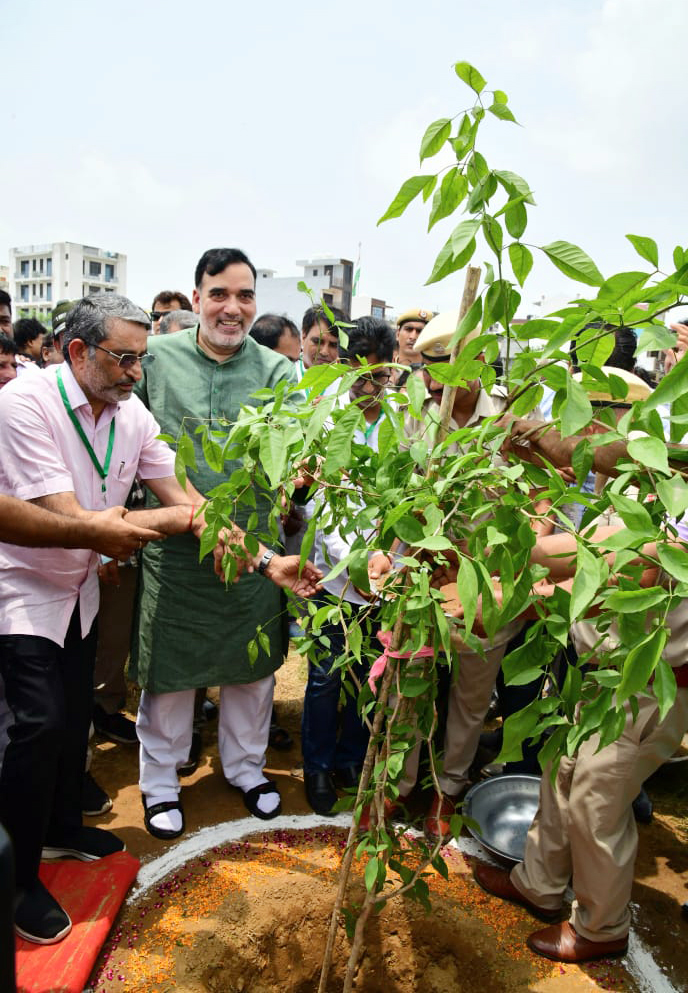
371, 427
102, 470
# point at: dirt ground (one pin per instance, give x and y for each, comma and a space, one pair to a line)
254, 915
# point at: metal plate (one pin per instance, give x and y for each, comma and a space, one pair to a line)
504, 807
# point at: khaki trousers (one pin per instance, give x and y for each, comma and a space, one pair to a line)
469, 698
584, 829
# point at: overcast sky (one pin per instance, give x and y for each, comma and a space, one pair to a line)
160, 129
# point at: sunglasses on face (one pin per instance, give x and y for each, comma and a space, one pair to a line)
126, 360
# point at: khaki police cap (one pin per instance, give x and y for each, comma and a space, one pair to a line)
414, 315
433, 341
637, 387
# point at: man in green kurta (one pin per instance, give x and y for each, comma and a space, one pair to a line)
193, 632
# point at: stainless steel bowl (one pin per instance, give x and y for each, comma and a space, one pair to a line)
504, 807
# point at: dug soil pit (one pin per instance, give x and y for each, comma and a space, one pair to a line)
253, 915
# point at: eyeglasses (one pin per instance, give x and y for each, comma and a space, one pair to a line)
378, 378
126, 360
157, 314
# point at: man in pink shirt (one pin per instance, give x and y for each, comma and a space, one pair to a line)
71, 444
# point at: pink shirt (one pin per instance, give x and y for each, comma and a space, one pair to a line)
41, 453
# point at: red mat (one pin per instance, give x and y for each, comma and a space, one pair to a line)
91, 893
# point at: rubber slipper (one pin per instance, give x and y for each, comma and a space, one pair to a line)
162, 808
250, 798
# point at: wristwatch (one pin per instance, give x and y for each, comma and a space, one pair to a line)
268, 556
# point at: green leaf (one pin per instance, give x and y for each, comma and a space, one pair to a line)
273, 455
664, 687
633, 514
492, 231
408, 192
673, 386
650, 452
433, 543
500, 96
470, 76
434, 137
640, 664
576, 410
409, 529
416, 393
514, 185
252, 651
673, 493
339, 441
447, 262
573, 262
645, 247
516, 218
635, 601
502, 112
463, 234
674, 561
467, 587
521, 259
452, 191
370, 875
586, 582
413, 686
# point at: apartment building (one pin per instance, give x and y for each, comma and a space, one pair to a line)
40, 275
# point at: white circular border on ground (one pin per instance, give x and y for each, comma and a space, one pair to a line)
639, 962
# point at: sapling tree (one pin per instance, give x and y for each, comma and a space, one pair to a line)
453, 500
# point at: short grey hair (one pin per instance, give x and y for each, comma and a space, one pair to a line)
88, 319
182, 319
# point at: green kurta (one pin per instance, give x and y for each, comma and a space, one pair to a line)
192, 631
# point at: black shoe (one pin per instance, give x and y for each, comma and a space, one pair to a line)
347, 778
194, 758
209, 710
88, 844
642, 808
39, 917
114, 727
320, 791
94, 799
279, 738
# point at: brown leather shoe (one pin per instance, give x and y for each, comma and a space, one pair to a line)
392, 809
562, 943
498, 883
437, 820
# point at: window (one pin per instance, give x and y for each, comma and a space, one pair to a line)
24, 290
48, 291
94, 289
33, 266
315, 272
378, 312
24, 267
48, 267
40, 266
109, 273
94, 268
40, 291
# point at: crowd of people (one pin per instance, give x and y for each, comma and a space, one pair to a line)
100, 567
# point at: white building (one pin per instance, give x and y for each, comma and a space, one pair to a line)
40, 275
329, 278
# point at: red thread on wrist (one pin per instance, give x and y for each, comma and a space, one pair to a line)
191, 517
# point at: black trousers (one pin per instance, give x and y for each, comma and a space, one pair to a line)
50, 693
